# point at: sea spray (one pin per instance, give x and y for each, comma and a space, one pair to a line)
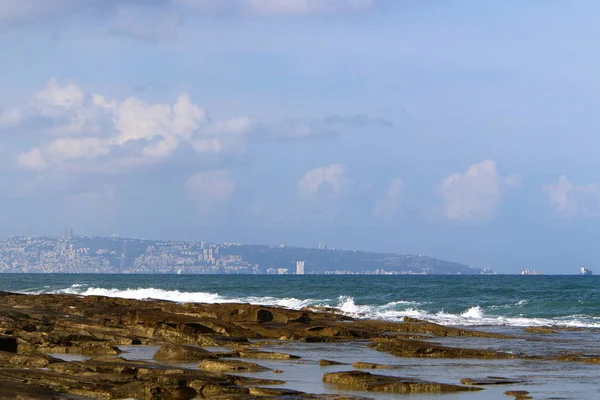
459, 301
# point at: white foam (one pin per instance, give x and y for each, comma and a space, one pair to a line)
392, 311
146, 293
473, 313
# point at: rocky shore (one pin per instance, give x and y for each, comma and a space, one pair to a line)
34, 326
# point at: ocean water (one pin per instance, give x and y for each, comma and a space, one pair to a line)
499, 300
502, 304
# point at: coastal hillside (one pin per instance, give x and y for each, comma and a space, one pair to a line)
346, 261
124, 255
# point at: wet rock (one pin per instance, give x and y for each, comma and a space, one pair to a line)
416, 348
367, 365
539, 329
230, 366
365, 381
27, 360
414, 320
583, 358
173, 352
424, 327
259, 391
324, 363
519, 394
20, 390
86, 348
490, 380
266, 355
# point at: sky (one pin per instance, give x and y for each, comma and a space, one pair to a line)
463, 130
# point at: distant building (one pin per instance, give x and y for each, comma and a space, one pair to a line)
299, 267
322, 246
68, 233
282, 271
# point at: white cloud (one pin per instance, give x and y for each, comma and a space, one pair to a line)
387, 207
569, 200
116, 136
210, 190
475, 195
331, 178
278, 7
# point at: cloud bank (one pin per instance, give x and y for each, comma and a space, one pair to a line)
474, 196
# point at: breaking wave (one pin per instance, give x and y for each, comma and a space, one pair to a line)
495, 315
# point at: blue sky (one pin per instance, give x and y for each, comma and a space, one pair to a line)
464, 130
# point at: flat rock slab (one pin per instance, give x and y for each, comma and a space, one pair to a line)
539, 329
178, 352
422, 349
266, 355
324, 363
519, 394
365, 381
230, 366
367, 365
490, 380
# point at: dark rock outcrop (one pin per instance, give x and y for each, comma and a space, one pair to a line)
365, 381
174, 352
416, 348
490, 380
367, 365
230, 366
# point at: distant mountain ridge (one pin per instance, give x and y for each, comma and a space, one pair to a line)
127, 255
351, 261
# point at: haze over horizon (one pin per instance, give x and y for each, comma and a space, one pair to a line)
462, 130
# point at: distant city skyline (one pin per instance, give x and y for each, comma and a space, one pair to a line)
463, 130
115, 255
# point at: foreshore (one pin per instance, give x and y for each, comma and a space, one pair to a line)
228, 351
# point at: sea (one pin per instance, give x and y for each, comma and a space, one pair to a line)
495, 303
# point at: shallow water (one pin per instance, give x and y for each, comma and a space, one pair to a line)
543, 379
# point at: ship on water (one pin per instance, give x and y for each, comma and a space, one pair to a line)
585, 271
530, 272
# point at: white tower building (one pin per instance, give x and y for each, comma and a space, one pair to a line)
299, 267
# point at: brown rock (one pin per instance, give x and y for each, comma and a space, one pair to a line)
174, 352
583, 358
324, 363
19, 390
259, 391
358, 380
85, 348
27, 360
266, 355
490, 380
539, 329
366, 365
416, 348
230, 366
519, 394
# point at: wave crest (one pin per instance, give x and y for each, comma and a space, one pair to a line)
392, 311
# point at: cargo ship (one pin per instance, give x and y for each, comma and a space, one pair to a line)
530, 272
585, 271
